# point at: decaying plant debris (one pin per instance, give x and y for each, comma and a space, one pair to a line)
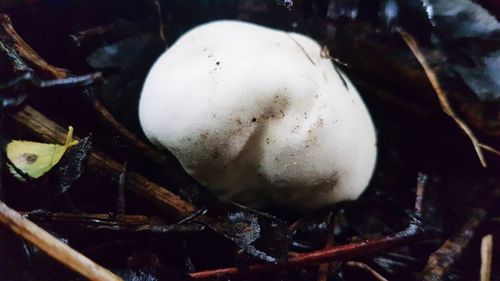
131, 209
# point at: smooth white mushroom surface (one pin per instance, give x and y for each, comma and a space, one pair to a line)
260, 117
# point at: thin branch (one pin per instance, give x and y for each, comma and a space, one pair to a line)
440, 261
133, 223
110, 32
348, 251
442, 95
47, 130
54, 247
325, 255
489, 148
486, 257
366, 268
17, 49
132, 140
27, 52
95, 221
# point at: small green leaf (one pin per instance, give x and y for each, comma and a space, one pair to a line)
35, 159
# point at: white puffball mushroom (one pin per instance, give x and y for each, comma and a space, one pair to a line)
260, 117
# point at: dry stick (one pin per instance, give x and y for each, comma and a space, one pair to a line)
339, 252
27, 52
367, 268
49, 131
96, 219
443, 97
53, 247
131, 139
486, 257
132, 223
489, 148
440, 261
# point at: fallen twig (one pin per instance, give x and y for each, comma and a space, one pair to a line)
28, 53
324, 255
97, 221
335, 253
133, 223
53, 247
440, 261
367, 268
18, 51
49, 131
443, 96
486, 257
132, 140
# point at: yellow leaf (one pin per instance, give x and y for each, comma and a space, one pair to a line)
34, 158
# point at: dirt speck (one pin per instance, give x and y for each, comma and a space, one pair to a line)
216, 154
29, 158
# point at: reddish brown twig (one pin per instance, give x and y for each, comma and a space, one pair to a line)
53, 247
28, 53
335, 253
324, 255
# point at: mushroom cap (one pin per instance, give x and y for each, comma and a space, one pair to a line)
259, 117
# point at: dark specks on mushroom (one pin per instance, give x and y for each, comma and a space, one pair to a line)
216, 154
319, 123
269, 125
